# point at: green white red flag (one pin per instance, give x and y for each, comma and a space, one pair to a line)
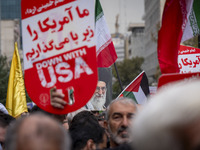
180, 21
138, 89
106, 54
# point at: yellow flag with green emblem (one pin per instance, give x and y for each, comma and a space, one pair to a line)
16, 97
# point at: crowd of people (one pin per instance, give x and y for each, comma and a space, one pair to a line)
170, 120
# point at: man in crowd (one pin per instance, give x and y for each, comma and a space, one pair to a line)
5, 120
86, 133
37, 132
119, 113
171, 119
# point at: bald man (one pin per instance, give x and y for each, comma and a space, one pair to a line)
37, 132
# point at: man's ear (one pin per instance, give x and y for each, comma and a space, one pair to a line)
90, 145
106, 128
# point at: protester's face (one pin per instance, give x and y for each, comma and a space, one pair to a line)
120, 116
101, 89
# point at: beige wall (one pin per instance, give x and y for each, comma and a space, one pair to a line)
10, 32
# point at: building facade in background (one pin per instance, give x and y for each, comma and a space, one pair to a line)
152, 18
136, 40
10, 14
119, 44
118, 41
10, 9
10, 33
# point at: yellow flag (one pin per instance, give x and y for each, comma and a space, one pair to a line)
16, 97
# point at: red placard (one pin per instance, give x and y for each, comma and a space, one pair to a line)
170, 78
59, 50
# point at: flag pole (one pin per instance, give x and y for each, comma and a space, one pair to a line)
120, 83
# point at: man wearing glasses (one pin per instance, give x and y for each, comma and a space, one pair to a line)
99, 98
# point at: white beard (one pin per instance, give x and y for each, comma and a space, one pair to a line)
98, 102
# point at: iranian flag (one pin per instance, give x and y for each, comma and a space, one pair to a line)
192, 27
180, 21
138, 89
106, 54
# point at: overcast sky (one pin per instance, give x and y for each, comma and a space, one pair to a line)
130, 11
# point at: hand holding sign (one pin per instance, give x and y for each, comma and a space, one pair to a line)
57, 98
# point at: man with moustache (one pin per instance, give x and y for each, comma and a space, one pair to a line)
120, 112
98, 100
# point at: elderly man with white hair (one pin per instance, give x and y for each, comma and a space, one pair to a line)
119, 115
171, 119
98, 100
